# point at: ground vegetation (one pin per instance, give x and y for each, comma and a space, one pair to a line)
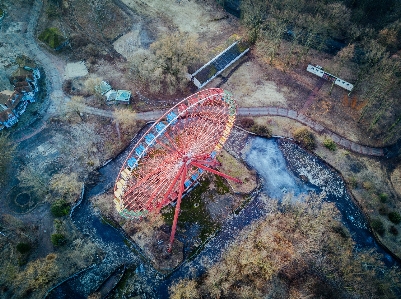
305, 138
7, 154
301, 249
166, 65
364, 47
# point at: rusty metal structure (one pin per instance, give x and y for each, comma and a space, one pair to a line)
172, 155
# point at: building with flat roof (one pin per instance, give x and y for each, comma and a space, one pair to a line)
25, 81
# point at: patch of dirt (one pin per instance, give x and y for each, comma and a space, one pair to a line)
75, 69
251, 88
207, 20
396, 180
128, 44
237, 169
280, 126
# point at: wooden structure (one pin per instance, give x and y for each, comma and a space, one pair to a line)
218, 64
318, 71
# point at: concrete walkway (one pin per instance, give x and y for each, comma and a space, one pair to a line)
53, 68
292, 114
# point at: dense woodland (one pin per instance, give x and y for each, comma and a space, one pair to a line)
299, 250
363, 37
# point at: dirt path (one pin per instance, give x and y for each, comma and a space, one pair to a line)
312, 96
292, 114
298, 116
54, 69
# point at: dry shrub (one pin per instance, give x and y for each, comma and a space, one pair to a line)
184, 289
66, 186
305, 138
125, 118
300, 241
246, 122
168, 62
7, 154
37, 274
104, 202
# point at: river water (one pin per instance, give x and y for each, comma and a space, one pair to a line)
283, 168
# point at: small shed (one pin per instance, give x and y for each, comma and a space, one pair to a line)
123, 96
103, 88
111, 96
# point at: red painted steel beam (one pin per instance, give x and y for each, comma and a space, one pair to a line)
177, 207
211, 162
215, 172
170, 188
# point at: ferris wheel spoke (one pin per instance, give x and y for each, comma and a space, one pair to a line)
177, 207
172, 185
186, 136
173, 143
216, 172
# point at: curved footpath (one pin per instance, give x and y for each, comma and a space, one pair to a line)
275, 111
53, 68
340, 140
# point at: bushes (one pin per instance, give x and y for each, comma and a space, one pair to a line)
52, 37
261, 130
394, 217
393, 230
378, 226
23, 247
383, 197
60, 208
249, 124
246, 122
58, 239
330, 144
305, 138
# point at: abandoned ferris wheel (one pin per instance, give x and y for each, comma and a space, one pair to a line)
174, 153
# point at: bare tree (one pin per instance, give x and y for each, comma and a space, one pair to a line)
253, 15
75, 105
271, 38
66, 185
125, 118
168, 61
6, 156
30, 177
298, 241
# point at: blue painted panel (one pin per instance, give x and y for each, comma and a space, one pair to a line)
139, 150
171, 117
149, 139
132, 162
160, 127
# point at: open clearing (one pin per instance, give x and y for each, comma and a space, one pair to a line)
75, 69
252, 90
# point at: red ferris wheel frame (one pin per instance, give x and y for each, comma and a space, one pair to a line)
174, 153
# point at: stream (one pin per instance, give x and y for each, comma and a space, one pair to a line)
283, 168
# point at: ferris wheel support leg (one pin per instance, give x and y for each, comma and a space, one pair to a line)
177, 208
164, 200
216, 172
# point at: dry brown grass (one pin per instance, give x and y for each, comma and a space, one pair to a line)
297, 242
233, 167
